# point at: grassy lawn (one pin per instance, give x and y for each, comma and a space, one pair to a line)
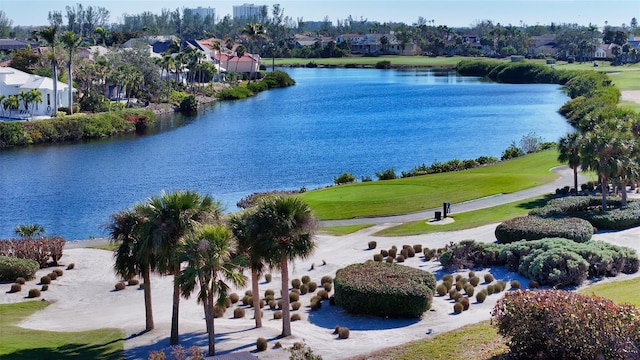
20, 343
617, 291
418, 61
430, 191
467, 220
109, 247
343, 230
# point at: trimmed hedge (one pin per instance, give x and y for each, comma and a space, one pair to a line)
589, 208
535, 228
536, 323
12, 268
384, 289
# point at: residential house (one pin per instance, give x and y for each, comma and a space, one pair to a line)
8, 45
247, 64
543, 46
12, 81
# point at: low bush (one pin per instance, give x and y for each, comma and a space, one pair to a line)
535, 228
316, 303
469, 290
417, 248
304, 288
312, 286
33, 293
133, 282
273, 304
247, 300
533, 284
218, 311
384, 289
234, 298
323, 294
481, 296
12, 268
400, 258
305, 279
469, 254
474, 280
296, 317
235, 93
441, 290
327, 287
52, 276
267, 278
343, 333
326, 279
491, 289
377, 257
392, 252
45, 280
458, 308
465, 303
515, 284
71, 266
589, 208
295, 283
344, 178
44, 288
277, 315
536, 323
21, 281
238, 313
248, 293
58, 272
261, 344
383, 64
294, 296
372, 245
15, 288
119, 286
295, 305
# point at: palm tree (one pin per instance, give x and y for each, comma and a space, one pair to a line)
102, 33
50, 36
135, 254
29, 230
569, 152
284, 228
208, 252
11, 102
240, 51
71, 42
255, 32
171, 217
35, 96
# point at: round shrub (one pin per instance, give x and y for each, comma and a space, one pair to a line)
44, 288
58, 272
441, 290
384, 253
515, 284
469, 290
268, 292
404, 253
474, 280
491, 289
500, 286
456, 296
327, 286
294, 296
262, 303
323, 294
343, 333
21, 281
248, 293
238, 313
471, 274
555, 267
261, 344
372, 245
119, 286
481, 296
533, 284
296, 317
417, 248
448, 284
459, 277
312, 286
336, 329
465, 303
488, 278
305, 279
452, 292
45, 279
218, 311
389, 259
133, 282
295, 283
279, 303
393, 252
34, 293
384, 289
227, 303
234, 298
377, 257
273, 304
535, 228
304, 288
326, 279
459, 285
295, 305
15, 288
411, 252
400, 258
13, 268
267, 278
458, 308
71, 266
277, 315
247, 300
52, 275
448, 278
316, 303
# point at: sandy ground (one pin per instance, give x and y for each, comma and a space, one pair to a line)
630, 95
84, 299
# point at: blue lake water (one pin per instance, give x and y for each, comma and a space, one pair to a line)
333, 120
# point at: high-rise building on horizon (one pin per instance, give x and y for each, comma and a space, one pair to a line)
247, 11
203, 12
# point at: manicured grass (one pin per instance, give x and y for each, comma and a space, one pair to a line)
630, 105
619, 291
21, 343
467, 220
108, 247
417, 61
343, 230
413, 194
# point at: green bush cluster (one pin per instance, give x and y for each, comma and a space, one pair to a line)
71, 128
556, 262
12, 268
537, 323
515, 73
235, 93
379, 288
449, 166
589, 208
535, 228
189, 105
344, 178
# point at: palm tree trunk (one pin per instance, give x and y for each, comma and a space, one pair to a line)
575, 180
257, 311
605, 192
148, 312
69, 88
55, 87
623, 189
209, 315
176, 307
286, 316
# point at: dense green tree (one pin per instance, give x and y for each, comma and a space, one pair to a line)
11, 102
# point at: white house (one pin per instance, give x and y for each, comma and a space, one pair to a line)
13, 81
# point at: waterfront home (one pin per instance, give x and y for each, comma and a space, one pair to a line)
13, 81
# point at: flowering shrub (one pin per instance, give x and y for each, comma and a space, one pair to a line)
380, 288
555, 324
42, 250
535, 228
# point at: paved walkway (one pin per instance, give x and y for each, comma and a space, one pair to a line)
565, 177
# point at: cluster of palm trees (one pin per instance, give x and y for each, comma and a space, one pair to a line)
12, 102
185, 235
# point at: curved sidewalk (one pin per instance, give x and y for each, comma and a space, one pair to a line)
565, 178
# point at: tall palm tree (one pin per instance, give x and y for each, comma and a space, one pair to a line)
35, 96
208, 252
50, 36
71, 42
285, 227
240, 51
102, 33
12, 103
135, 254
255, 32
171, 217
569, 152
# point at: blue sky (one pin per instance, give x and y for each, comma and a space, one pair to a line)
444, 12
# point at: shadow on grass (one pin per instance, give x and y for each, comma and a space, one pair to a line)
330, 316
537, 203
70, 351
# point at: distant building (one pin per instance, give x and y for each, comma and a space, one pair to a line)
317, 25
203, 12
247, 11
15, 44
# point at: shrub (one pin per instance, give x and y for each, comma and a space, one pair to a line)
234, 298
536, 323
133, 282
400, 258
465, 303
238, 313
248, 293
305, 279
58, 272
448, 278
589, 208
458, 308
535, 228
52, 276
294, 296
344, 178
15, 288
488, 278
261, 344
323, 294
327, 286
20, 280
469, 290
304, 288
389, 259
441, 290
44, 288
377, 257
383, 64
500, 286
417, 248
280, 304
343, 333
372, 245
273, 304
71, 266
218, 311
295, 283
312, 286
316, 303
33, 293
474, 280
247, 300
533, 284
384, 253
468, 254
119, 286
411, 252
267, 278
296, 317
295, 305
326, 279
388, 174
393, 252
481, 296
12, 268
515, 284
45, 280
491, 289
384, 289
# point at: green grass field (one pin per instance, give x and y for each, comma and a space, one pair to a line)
343, 230
413, 194
617, 291
23, 344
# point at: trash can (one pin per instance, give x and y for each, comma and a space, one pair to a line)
438, 215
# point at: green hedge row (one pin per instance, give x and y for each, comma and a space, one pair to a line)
74, 127
554, 262
384, 289
588, 208
12, 268
535, 228
515, 73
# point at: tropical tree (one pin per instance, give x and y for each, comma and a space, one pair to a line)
29, 230
102, 34
171, 217
569, 152
128, 77
284, 228
50, 36
256, 32
11, 102
135, 254
208, 252
240, 51
71, 42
